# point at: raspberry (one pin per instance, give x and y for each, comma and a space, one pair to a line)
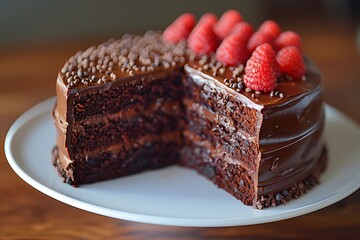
288, 38
243, 29
232, 51
208, 18
180, 29
270, 27
261, 69
259, 38
267, 32
291, 62
203, 39
226, 23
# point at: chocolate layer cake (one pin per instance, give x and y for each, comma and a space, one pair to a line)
141, 103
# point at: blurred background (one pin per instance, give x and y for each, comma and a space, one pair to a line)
24, 22
38, 36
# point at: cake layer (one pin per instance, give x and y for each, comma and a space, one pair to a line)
232, 147
112, 128
126, 143
123, 95
120, 151
234, 178
216, 98
118, 162
81, 124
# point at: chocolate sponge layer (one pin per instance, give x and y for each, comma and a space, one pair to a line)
123, 129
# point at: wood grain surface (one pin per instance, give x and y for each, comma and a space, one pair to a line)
27, 76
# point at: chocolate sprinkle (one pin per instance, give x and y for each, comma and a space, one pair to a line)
126, 56
221, 70
292, 192
241, 85
132, 55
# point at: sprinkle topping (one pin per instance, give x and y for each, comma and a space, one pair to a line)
127, 56
224, 58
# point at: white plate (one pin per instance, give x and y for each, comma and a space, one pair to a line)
174, 195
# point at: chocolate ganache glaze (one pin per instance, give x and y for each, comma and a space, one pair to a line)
286, 130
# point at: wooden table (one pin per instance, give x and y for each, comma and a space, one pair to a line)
27, 76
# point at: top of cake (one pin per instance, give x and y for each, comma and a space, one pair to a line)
126, 57
267, 66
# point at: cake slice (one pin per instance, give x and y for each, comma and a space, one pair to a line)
119, 109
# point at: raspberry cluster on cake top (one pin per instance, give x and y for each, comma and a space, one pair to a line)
268, 54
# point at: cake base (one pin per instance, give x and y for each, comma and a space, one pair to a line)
264, 201
153, 157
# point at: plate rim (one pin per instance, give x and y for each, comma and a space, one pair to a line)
45, 106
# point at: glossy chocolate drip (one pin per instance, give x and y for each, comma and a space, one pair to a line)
291, 138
